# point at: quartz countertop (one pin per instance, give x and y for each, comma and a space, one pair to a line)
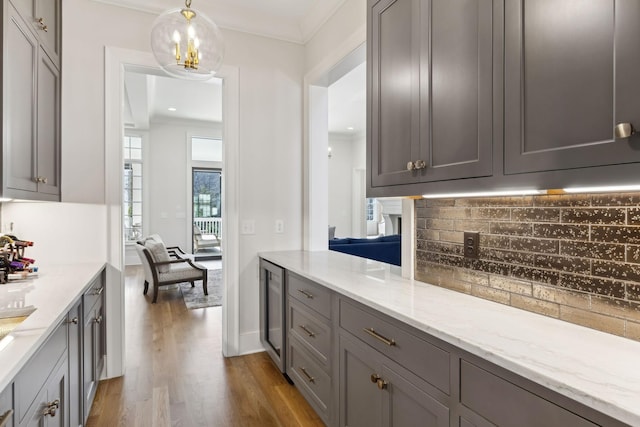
599, 370
52, 293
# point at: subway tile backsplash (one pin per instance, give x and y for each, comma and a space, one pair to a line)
572, 257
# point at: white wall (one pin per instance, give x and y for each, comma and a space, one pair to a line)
346, 25
270, 172
340, 188
167, 179
62, 232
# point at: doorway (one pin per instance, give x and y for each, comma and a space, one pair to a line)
117, 61
207, 213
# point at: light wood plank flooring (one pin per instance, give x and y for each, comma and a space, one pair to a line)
176, 375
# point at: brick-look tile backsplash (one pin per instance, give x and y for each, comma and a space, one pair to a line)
572, 257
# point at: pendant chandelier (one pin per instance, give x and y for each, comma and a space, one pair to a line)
187, 44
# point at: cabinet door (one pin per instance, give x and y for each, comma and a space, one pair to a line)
74, 320
272, 312
51, 407
20, 60
90, 360
47, 20
406, 404
393, 68
7, 418
456, 106
360, 398
570, 75
434, 58
48, 126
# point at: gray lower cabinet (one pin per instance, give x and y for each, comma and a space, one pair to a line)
41, 387
310, 343
570, 76
93, 342
7, 418
75, 350
430, 90
375, 391
359, 367
31, 108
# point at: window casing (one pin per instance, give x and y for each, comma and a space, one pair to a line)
132, 188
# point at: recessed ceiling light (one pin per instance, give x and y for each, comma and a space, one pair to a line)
171, 108
350, 128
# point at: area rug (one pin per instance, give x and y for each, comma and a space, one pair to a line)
195, 297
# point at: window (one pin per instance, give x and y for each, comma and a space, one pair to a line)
132, 188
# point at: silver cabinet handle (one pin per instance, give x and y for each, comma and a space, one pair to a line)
98, 319
51, 408
373, 333
624, 130
98, 291
417, 165
309, 333
306, 374
306, 294
43, 26
74, 321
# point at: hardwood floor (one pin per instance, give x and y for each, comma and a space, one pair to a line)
176, 375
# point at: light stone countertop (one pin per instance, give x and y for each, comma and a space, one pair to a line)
52, 293
599, 370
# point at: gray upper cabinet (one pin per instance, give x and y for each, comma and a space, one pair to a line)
31, 106
430, 88
44, 18
570, 77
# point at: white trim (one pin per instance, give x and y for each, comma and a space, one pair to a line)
316, 135
116, 59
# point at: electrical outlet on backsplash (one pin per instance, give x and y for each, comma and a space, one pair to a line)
572, 257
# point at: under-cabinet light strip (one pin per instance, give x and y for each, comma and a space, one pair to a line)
603, 189
484, 194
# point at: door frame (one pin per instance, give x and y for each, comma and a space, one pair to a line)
116, 61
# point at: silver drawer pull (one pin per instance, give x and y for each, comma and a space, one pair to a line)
6, 417
309, 333
305, 293
98, 291
379, 337
75, 322
98, 319
306, 374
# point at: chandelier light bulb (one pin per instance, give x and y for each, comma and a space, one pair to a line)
187, 44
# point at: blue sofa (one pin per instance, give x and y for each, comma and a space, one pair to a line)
384, 248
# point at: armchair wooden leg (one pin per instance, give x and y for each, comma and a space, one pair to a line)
204, 284
155, 293
146, 287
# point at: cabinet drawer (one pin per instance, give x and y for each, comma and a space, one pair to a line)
504, 403
310, 378
310, 294
424, 359
313, 332
93, 295
35, 373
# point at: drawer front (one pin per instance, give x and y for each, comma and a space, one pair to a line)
92, 295
35, 373
310, 378
313, 332
424, 359
504, 403
311, 294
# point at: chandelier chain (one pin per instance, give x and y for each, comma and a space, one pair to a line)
187, 3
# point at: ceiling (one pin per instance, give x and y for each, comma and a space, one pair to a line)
292, 20
149, 97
